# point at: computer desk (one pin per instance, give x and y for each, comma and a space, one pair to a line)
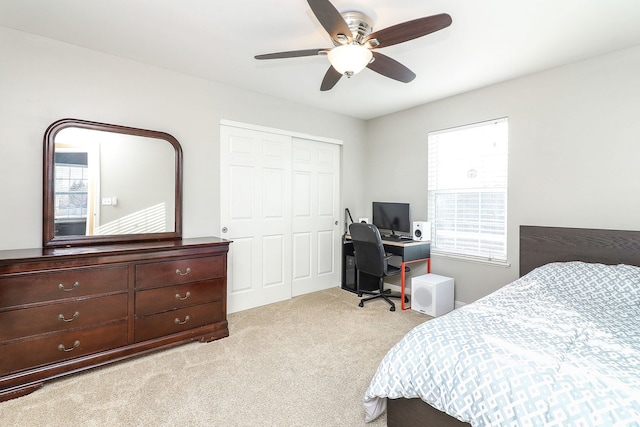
409, 251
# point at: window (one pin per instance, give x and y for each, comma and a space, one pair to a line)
71, 186
468, 190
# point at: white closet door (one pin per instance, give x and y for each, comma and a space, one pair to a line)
256, 213
315, 204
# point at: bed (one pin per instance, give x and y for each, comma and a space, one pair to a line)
558, 346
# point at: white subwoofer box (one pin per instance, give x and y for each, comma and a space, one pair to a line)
432, 294
421, 231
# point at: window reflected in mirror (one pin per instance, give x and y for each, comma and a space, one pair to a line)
71, 194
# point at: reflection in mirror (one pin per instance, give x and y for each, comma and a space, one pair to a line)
110, 183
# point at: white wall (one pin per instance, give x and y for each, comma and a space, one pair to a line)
574, 140
42, 80
574, 154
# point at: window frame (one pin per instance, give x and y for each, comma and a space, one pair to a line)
494, 184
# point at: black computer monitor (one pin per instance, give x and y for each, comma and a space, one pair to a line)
392, 217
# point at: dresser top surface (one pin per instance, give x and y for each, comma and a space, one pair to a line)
13, 255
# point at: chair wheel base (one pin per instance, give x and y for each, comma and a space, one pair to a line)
361, 304
392, 308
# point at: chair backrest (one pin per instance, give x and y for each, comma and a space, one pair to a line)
368, 249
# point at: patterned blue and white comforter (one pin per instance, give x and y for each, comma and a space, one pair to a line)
557, 347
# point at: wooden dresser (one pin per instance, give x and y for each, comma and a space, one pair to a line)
63, 310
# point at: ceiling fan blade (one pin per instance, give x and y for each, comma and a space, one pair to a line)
330, 79
409, 30
290, 54
330, 19
391, 68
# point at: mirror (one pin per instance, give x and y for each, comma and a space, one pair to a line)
110, 184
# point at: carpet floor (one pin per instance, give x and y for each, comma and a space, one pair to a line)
302, 362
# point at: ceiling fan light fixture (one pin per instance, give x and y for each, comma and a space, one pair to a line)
349, 59
353, 41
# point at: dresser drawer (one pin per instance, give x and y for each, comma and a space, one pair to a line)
62, 316
179, 271
175, 321
157, 300
55, 285
61, 346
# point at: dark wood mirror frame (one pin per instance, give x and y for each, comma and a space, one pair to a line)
49, 237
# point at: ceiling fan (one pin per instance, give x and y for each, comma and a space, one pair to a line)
354, 43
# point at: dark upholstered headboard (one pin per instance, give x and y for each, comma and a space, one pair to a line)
542, 245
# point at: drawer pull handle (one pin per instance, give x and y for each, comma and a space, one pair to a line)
180, 273
178, 322
72, 318
76, 344
62, 288
179, 298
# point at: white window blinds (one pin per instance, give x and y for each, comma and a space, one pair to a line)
468, 190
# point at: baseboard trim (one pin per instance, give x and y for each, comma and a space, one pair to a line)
407, 291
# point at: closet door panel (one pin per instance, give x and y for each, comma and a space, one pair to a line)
256, 214
316, 201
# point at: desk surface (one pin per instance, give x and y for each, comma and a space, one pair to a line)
402, 243
405, 242
409, 250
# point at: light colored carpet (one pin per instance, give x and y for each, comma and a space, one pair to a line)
302, 362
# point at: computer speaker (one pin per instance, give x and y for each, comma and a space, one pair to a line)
432, 294
421, 231
363, 220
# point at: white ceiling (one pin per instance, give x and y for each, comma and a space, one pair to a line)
489, 41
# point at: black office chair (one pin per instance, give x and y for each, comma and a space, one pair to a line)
371, 259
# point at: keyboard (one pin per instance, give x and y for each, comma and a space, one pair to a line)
397, 238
